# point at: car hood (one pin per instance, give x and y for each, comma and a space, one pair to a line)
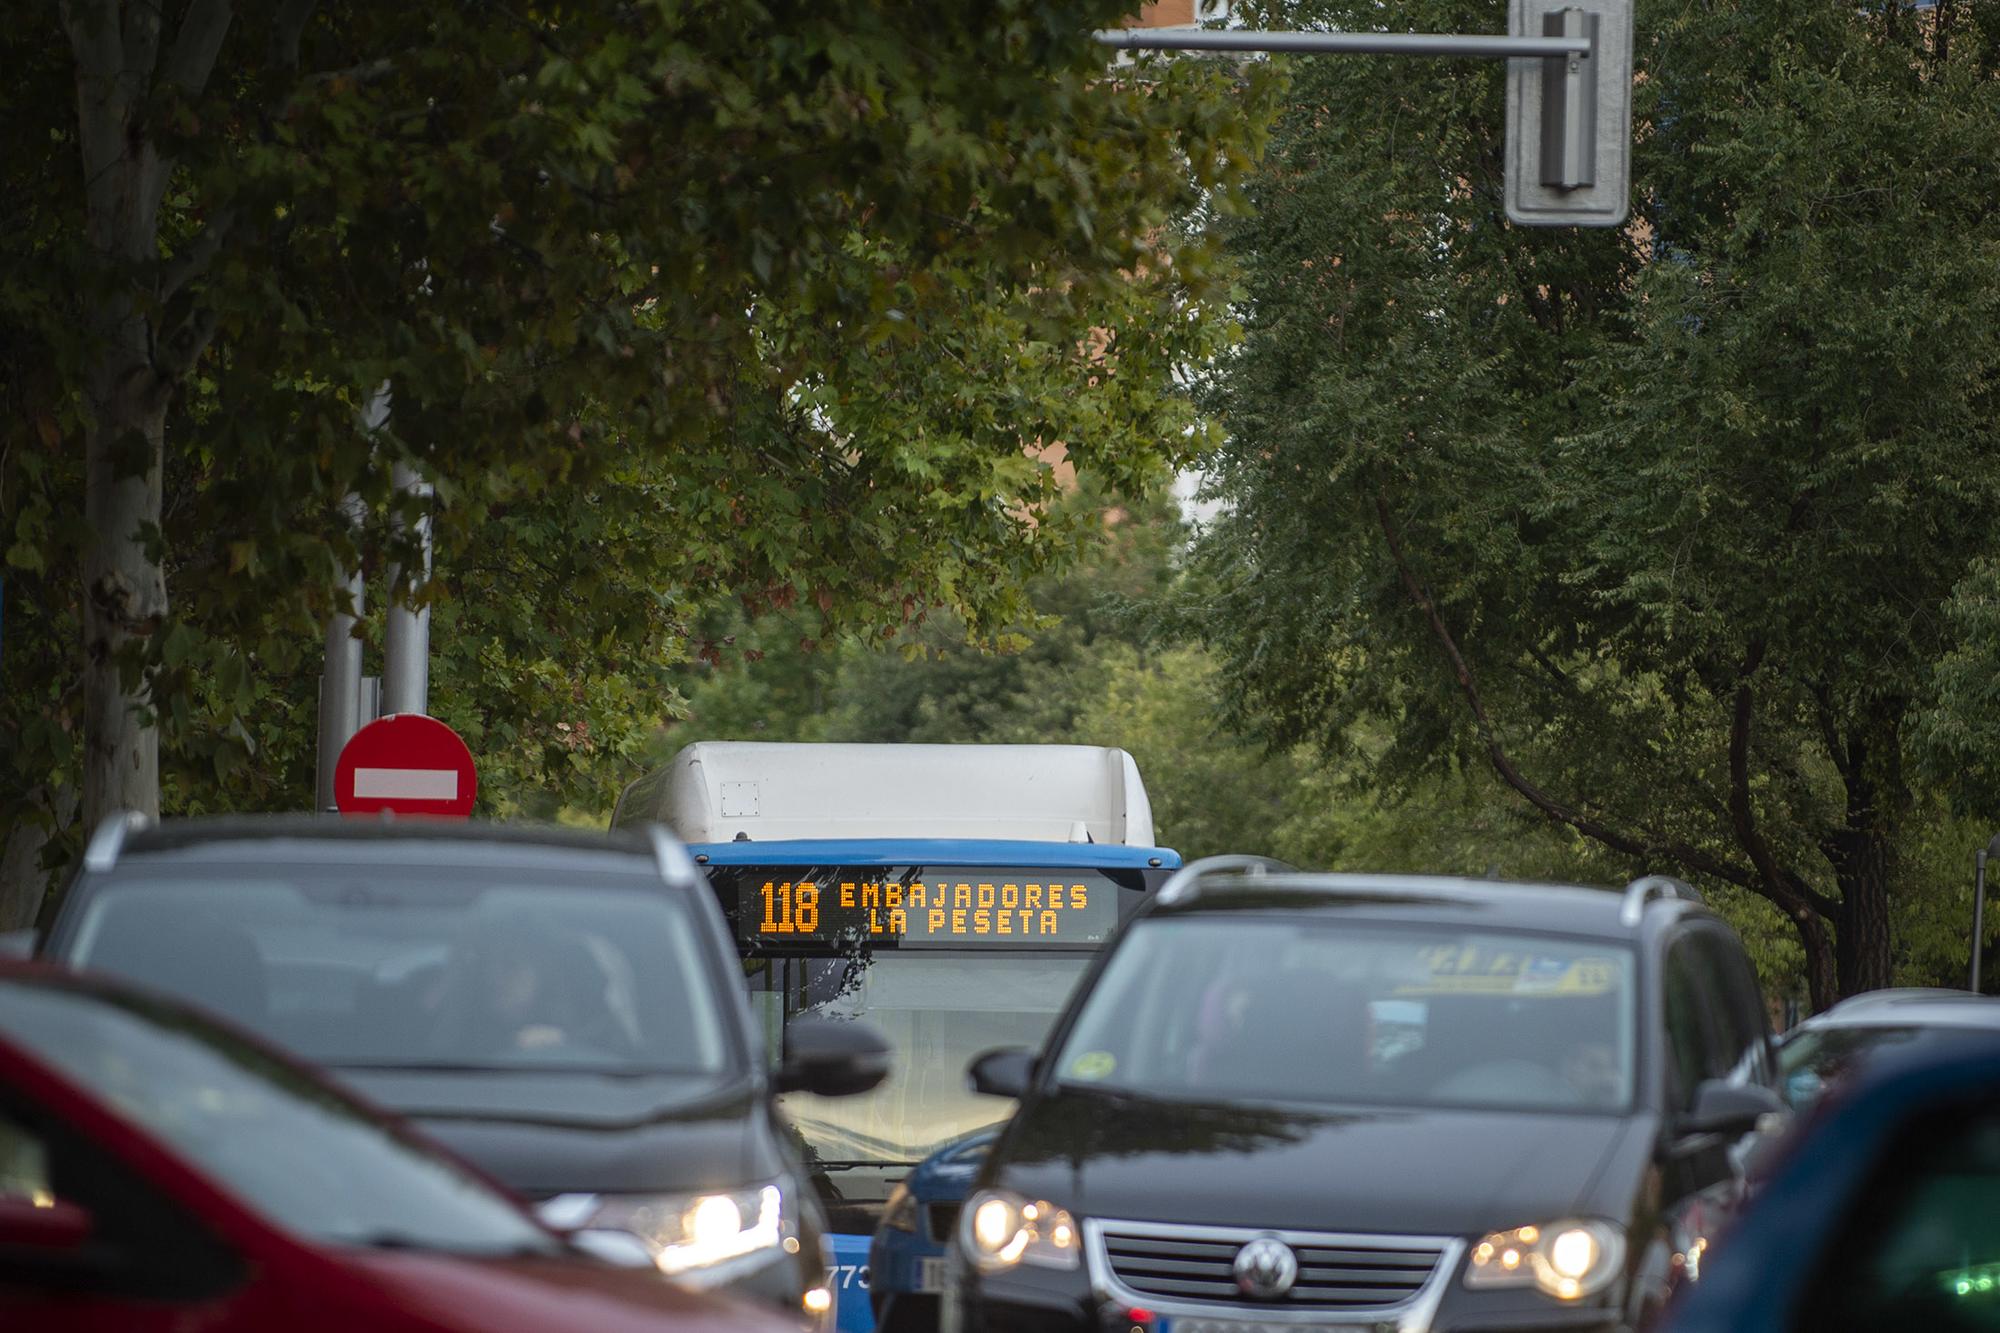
533, 1295
545, 1133
948, 1173
1410, 1172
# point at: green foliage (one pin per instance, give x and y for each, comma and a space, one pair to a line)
1088, 671
680, 305
1664, 525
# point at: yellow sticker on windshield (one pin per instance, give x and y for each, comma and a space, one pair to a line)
1469, 970
1093, 1065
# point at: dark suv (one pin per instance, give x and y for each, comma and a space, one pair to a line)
563, 1007
1290, 1102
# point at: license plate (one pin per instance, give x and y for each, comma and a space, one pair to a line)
931, 1275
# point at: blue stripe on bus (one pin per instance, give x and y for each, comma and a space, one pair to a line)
933, 851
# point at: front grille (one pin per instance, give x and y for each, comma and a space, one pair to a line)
1336, 1272
940, 1219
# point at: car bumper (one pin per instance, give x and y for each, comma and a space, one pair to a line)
1037, 1302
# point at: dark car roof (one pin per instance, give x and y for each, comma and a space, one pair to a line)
1567, 909
279, 838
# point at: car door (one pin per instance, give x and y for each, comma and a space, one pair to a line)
88, 1244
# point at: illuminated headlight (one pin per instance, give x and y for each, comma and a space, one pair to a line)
1568, 1260
900, 1213
998, 1230
692, 1237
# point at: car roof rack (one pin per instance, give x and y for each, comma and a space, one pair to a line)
109, 839
1648, 887
1188, 878
676, 866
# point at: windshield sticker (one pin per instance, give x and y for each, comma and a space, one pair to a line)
1093, 1065
1470, 970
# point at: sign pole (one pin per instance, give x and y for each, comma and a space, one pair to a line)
1979, 908
406, 640
340, 685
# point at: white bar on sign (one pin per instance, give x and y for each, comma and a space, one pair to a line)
406, 784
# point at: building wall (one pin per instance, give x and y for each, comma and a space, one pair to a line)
1167, 14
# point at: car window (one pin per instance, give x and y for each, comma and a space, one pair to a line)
1813, 1059
1691, 1054
310, 1161
401, 967
24, 1164
1919, 1246
1221, 1009
146, 1246
1738, 1013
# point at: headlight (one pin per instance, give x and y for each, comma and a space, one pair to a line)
1568, 1260
900, 1213
998, 1230
690, 1236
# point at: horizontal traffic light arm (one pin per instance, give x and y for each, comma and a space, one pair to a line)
1493, 47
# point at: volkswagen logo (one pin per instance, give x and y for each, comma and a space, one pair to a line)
1265, 1268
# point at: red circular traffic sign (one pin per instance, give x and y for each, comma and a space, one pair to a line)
407, 763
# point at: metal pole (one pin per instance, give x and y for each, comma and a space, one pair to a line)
1979, 905
406, 643
1487, 46
340, 684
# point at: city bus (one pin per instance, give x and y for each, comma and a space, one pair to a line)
952, 894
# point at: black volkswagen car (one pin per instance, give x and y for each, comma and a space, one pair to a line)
563, 1007
1289, 1102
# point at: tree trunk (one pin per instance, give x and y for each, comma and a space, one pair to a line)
124, 401
23, 882
125, 589
1861, 941
1822, 967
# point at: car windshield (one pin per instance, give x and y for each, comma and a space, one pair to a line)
424, 968
1221, 1009
305, 1157
937, 1012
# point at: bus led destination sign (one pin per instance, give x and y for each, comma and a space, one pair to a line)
981, 905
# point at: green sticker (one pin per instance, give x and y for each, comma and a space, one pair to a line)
1093, 1064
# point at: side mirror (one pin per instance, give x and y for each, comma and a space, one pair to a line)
832, 1059
1005, 1072
1730, 1109
43, 1231
18, 943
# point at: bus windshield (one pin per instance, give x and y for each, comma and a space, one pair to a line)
938, 1011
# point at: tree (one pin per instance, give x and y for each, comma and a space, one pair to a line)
1660, 525
1095, 666
674, 280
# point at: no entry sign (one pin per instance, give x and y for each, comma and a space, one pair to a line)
408, 763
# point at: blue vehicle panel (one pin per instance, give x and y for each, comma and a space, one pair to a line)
897, 1260
1763, 1270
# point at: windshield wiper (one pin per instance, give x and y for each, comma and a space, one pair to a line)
851, 1163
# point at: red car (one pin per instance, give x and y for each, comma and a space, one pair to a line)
159, 1172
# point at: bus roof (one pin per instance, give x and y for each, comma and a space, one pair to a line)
934, 851
713, 791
